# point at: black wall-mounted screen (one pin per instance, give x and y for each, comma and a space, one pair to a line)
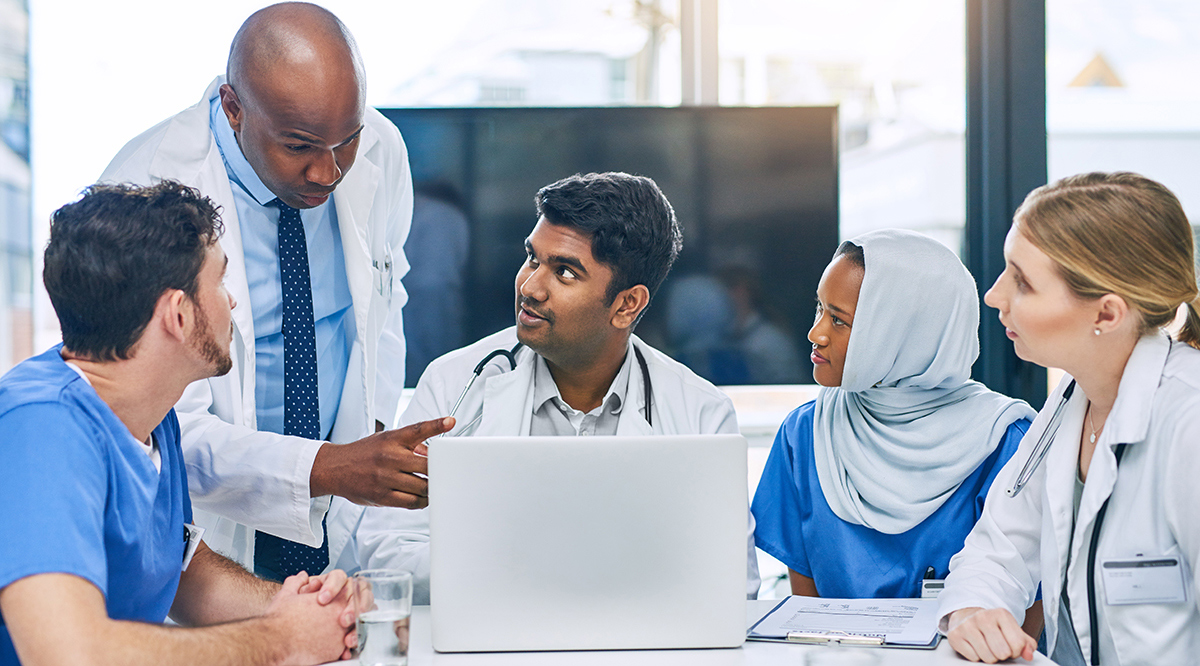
755, 190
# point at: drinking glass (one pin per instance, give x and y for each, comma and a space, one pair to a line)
383, 600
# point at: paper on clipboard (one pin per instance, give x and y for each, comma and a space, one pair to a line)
901, 622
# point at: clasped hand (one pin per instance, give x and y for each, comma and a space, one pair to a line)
317, 616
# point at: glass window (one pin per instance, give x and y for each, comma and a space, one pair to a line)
548, 53
1120, 94
896, 70
454, 52
16, 249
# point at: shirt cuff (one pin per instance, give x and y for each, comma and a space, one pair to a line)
310, 511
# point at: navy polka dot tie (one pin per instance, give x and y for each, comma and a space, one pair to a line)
277, 558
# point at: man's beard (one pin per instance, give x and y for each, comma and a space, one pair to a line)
204, 340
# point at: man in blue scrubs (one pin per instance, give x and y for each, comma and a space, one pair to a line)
94, 552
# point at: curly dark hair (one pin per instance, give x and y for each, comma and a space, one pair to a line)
114, 251
632, 225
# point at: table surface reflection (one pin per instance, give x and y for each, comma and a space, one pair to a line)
752, 653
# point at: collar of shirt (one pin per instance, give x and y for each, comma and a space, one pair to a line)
546, 390
239, 170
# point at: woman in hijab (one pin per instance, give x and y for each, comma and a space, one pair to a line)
872, 487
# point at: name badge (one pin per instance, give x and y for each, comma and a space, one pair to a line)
931, 588
1144, 581
191, 540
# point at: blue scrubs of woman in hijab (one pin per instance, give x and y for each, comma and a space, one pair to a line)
874, 485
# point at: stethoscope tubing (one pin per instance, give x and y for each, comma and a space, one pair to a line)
511, 355
1042, 446
1027, 470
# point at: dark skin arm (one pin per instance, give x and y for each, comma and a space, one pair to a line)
380, 469
802, 585
1035, 620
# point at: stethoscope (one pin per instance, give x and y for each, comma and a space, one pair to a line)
1035, 459
511, 356
1042, 446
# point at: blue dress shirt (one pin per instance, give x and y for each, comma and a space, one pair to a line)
332, 305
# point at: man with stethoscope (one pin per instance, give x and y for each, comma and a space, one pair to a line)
602, 246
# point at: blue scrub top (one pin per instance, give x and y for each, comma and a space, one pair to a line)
794, 523
78, 495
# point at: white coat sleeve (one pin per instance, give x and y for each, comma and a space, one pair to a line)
389, 371
1181, 493
259, 479
395, 538
720, 418
1000, 563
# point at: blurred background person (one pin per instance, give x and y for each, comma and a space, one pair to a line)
768, 350
437, 249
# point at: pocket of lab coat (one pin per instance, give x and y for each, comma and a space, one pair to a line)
382, 274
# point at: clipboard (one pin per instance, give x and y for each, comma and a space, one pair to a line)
835, 636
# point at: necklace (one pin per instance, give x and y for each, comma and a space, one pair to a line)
1091, 425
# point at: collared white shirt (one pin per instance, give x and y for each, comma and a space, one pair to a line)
553, 416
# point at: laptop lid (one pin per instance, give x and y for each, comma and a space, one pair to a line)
583, 543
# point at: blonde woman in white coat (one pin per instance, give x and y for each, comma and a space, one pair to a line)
1096, 266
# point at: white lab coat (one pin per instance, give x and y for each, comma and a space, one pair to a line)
1024, 540
681, 404
241, 479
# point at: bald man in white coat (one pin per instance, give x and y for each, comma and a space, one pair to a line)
291, 126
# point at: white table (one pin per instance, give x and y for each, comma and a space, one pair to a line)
752, 653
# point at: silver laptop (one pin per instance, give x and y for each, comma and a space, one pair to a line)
587, 543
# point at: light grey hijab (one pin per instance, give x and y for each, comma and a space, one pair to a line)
907, 425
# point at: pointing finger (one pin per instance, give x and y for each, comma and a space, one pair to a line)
417, 433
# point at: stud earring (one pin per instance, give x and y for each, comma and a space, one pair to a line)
1096, 331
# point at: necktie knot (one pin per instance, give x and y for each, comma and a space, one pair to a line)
285, 211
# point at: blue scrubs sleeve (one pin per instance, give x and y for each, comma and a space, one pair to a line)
53, 488
780, 508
